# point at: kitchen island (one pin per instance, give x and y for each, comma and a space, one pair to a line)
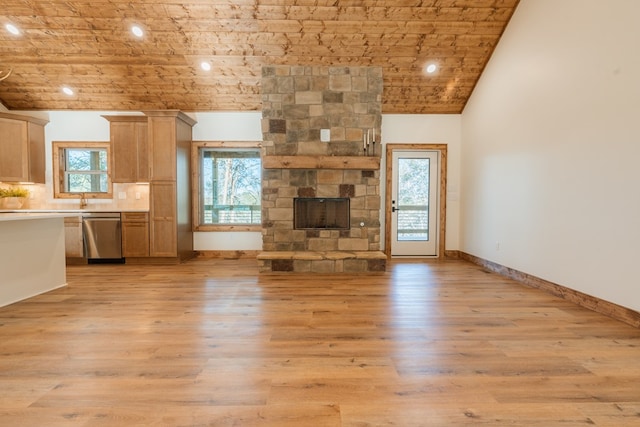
32, 257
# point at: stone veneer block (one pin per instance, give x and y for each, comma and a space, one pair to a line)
309, 256
326, 244
354, 134
307, 98
373, 202
271, 255
282, 265
306, 192
299, 70
355, 265
335, 255
338, 133
347, 190
327, 190
284, 202
283, 236
316, 111
277, 126
324, 266
333, 97
302, 266
379, 265
340, 83
280, 214
360, 83
287, 193
330, 176
285, 85
282, 71
370, 255
302, 83
299, 112
353, 244
311, 149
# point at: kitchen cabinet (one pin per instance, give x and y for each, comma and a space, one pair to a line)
135, 234
129, 148
170, 226
22, 155
73, 244
163, 143
163, 222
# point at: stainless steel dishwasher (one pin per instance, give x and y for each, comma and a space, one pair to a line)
102, 235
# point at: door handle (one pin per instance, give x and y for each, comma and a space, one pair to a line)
393, 209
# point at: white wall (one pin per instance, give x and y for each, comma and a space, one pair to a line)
430, 129
246, 126
404, 129
77, 126
228, 126
550, 137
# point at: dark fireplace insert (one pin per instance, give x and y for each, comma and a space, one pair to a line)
321, 213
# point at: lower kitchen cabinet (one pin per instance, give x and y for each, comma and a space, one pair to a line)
73, 245
163, 220
135, 234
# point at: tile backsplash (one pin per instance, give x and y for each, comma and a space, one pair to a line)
134, 196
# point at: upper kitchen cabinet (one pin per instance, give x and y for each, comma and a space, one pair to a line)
169, 140
130, 148
22, 156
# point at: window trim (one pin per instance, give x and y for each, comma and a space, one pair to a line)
196, 146
57, 149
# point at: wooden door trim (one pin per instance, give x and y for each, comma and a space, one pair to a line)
442, 219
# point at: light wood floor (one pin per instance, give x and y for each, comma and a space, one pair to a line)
213, 343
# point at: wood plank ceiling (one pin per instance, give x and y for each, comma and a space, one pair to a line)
87, 45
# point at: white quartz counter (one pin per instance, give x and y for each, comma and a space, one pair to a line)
23, 215
67, 211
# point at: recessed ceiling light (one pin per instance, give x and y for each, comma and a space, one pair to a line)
67, 90
12, 29
431, 68
206, 66
137, 31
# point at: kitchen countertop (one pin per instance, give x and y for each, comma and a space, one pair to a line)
20, 216
75, 211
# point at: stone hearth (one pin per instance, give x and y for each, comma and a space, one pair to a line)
297, 103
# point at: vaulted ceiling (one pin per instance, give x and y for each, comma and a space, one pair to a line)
87, 46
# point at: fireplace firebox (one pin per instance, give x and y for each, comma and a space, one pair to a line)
318, 213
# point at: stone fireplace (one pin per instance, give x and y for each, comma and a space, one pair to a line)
344, 105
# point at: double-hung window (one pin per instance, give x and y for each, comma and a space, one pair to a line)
229, 186
85, 170
81, 168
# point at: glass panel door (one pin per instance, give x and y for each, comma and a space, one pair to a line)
414, 203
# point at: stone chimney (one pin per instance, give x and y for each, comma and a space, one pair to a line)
344, 105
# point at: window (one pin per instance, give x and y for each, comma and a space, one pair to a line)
229, 186
81, 168
85, 171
